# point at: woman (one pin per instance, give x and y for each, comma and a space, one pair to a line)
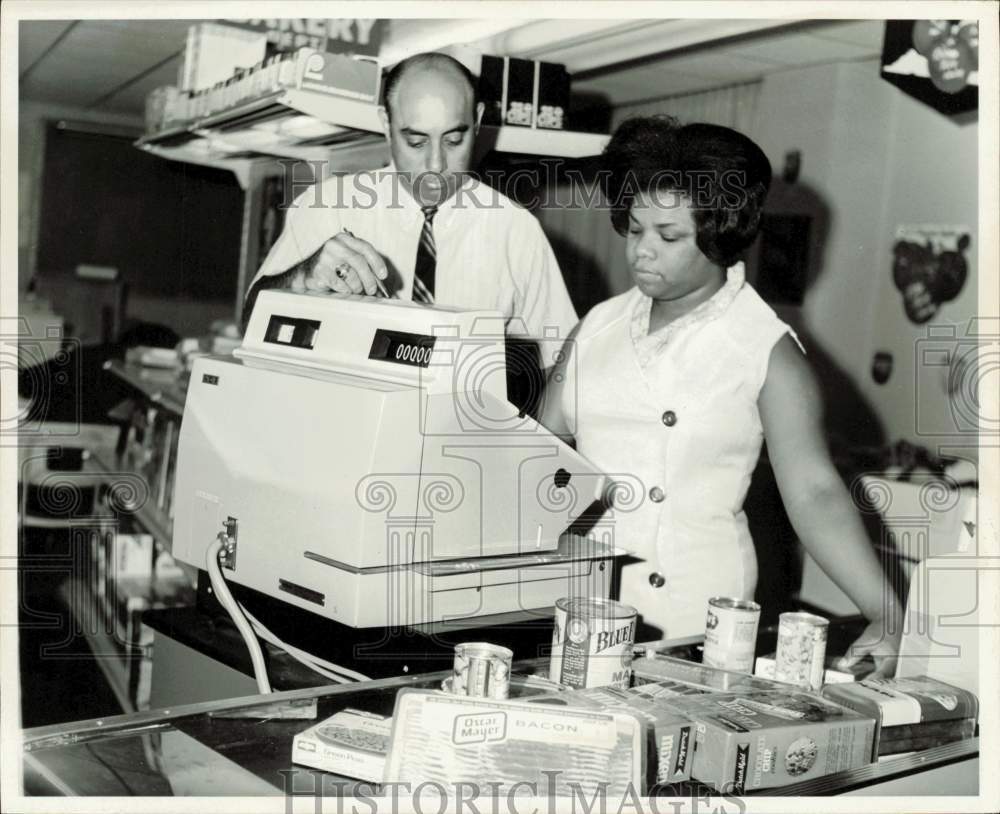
678, 381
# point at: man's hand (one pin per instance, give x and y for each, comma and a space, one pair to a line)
346, 264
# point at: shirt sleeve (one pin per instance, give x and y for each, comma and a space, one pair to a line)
540, 296
309, 222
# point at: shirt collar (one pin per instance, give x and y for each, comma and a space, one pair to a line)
445, 211
648, 343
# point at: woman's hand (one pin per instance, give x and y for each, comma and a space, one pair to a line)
879, 641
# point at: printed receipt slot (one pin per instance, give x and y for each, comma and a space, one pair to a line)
363, 455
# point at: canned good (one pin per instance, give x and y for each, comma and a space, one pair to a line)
801, 649
731, 633
592, 643
481, 670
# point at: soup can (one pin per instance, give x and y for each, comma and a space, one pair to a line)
592, 643
801, 649
731, 633
481, 670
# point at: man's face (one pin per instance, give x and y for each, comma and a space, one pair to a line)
431, 133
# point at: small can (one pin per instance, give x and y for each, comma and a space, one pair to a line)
481, 670
801, 649
592, 643
731, 633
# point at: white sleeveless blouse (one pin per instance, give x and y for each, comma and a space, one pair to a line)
675, 414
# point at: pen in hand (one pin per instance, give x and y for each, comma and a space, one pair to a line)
378, 282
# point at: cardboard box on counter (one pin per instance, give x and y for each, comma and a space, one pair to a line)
911, 713
351, 743
765, 739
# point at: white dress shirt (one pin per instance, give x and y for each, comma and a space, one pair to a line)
491, 253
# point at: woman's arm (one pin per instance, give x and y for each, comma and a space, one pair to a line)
819, 505
552, 416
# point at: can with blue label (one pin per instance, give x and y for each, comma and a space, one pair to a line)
592, 643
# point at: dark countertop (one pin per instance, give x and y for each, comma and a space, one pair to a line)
374, 652
201, 749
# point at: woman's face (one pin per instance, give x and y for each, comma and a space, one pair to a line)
665, 261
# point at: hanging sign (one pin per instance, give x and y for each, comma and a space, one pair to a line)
935, 61
336, 36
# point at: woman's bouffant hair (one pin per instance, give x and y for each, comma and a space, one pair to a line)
724, 175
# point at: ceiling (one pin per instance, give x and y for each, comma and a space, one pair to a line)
735, 60
111, 65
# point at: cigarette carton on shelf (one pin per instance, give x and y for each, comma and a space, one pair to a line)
524, 93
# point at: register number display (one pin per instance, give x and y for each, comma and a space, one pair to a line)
292, 331
402, 348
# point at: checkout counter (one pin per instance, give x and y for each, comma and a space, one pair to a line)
363, 485
243, 747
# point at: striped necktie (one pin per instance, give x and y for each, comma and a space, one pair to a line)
423, 270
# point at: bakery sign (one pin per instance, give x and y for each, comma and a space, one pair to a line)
935, 61
349, 35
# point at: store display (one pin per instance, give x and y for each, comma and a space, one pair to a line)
514, 746
351, 743
764, 739
801, 649
592, 642
348, 77
213, 52
911, 713
731, 633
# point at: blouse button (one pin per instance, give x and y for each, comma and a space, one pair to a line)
657, 580
669, 418
656, 494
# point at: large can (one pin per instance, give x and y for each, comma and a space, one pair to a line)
801, 649
592, 643
731, 633
481, 670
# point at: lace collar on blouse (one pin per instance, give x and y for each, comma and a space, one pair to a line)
647, 344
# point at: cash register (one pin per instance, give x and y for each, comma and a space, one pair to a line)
363, 463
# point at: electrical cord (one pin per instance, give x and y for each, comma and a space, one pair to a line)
332, 671
225, 598
250, 628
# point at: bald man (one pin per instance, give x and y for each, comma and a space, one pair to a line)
423, 229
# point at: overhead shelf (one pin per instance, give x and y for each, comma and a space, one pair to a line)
313, 126
291, 123
531, 141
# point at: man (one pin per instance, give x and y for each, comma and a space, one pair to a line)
423, 228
